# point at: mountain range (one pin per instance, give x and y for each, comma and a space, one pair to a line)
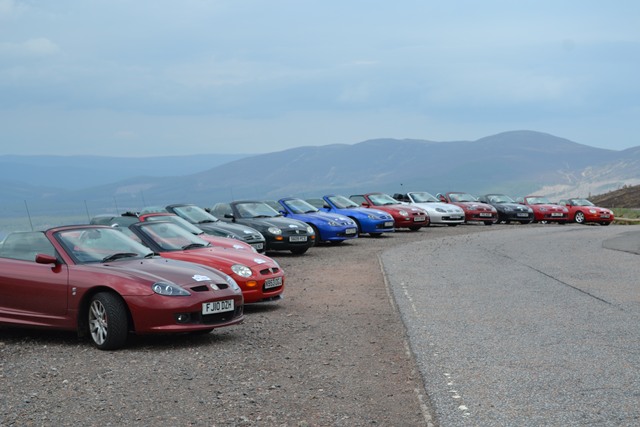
515, 163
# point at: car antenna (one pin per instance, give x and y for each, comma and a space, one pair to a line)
28, 214
86, 208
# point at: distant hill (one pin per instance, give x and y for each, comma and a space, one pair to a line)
76, 172
516, 163
625, 197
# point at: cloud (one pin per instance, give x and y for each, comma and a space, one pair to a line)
36, 47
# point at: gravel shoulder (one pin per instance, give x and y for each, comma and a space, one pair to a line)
333, 352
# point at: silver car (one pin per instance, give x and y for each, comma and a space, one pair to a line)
439, 213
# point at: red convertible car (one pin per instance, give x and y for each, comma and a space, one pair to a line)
544, 210
404, 216
583, 211
259, 277
474, 211
97, 281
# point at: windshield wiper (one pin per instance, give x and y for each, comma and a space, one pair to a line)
193, 245
204, 221
119, 255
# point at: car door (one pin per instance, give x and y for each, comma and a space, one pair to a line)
30, 292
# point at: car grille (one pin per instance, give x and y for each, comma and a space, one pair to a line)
213, 319
269, 271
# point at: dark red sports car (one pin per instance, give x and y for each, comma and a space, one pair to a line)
583, 211
404, 216
544, 210
96, 281
474, 211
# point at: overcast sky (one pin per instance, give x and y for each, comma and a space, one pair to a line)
161, 77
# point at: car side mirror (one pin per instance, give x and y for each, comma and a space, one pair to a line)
46, 259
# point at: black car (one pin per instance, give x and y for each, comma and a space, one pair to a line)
281, 234
508, 209
212, 225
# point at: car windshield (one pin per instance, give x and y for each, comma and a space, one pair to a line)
538, 201
89, 245
181, 222
500, 198
382, 200
342, 202
423, 197
581, 202
256, 210
171, 237
195, 214
462, 197
298, 206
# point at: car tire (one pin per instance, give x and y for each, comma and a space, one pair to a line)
579, 217
299, 251
375, 234
488, 222
415, 228
605, 223
357, 224
108, 321
317, 232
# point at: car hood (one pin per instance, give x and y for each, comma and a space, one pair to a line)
277, 221
237, 229
153, 270
321, 216
221, 258
448, 207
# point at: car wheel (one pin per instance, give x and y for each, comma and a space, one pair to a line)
488, 222
317, 232
357, 225
605, 223
506, 221
375, 234
299, 251
579, 218
415, 228
108, 321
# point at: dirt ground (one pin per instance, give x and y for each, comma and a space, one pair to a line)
332, 353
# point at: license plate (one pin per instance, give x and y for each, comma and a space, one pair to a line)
258, 246
605, 216
274, 282
217, 306
388, 224
298, 238
419, 218
485, 214
350, 231
556, 213
523, 214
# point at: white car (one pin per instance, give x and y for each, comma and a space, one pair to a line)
439, 213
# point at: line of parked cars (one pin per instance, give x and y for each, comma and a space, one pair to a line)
182, 268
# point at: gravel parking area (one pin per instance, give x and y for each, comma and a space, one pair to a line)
332, 353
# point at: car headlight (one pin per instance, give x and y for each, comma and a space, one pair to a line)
241, 270
310, 230
232, 282
592, 211
403, 213
169, 289
274, 230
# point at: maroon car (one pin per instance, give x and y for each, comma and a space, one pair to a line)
95, 280
474, 211
545, 211
404, 215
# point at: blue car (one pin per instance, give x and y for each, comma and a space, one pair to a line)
329, 227
370, 221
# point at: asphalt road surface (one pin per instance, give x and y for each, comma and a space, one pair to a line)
525, 326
